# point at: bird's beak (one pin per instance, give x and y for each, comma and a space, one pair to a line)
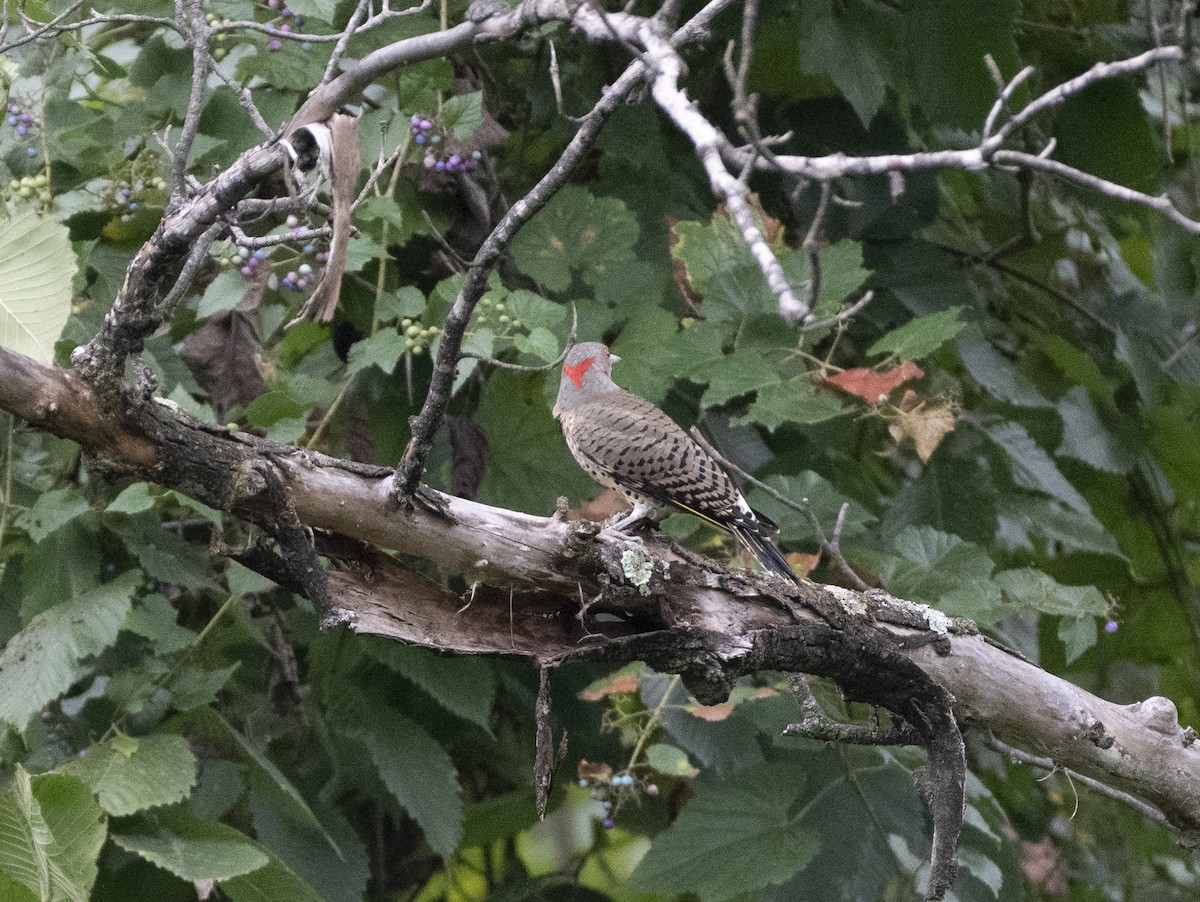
613, 358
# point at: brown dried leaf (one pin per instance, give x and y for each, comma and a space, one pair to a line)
619, 684
874, 386
926, 422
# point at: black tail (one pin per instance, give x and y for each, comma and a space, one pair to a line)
765, 552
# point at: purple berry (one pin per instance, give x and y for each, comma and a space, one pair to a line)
1111, 627
608, 823
472, 164
426, 124
454, 160
439, 165
416, 119
246, 271
22, 128
420, 139
286, 13
25, 117
274, 44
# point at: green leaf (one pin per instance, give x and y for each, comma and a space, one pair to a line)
134, 499
223, 293
405, 301
465, 685
51, 510
415, 769
335, 872
130, 774
51, 831
36, 269
155, 619
1034, 589
462, 114
668, 759
1078, 634
944, 571
842, 273
856, 44
264, 764
919, 337
575, 232
38, 663
273, 883
996, 373
1045, 517
539, 342
1086, 438
734, 835
1032, 468
190, 848
191, 687
383, 349
534, 310
728, 377
794, 401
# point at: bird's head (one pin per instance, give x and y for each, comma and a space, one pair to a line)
587, 372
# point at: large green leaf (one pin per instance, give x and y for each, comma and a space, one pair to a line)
39, 662
735, 835
188, 847
576, 232
1032, 467
129, 774
462, 684
36, 269
857, 45
51, 831
414, 768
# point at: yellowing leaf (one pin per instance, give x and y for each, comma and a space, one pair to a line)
36, 268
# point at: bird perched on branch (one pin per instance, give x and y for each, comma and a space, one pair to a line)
626, 443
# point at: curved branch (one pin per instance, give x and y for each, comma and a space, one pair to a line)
1139, 748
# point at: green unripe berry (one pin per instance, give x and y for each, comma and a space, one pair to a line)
504, 318
26, 191
232, 426
45, 196
500, 308
14, 185
417, 350
413, 331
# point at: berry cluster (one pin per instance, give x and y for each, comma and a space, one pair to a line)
494, 315
32, 187
275, 44
126, 190
20, 120
611, 790
416, 338
301, 273
429, 137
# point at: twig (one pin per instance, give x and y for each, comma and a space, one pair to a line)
668, 68
1048, 764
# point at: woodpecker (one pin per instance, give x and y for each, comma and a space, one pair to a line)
626, 443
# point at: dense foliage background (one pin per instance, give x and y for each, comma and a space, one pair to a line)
175, 721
